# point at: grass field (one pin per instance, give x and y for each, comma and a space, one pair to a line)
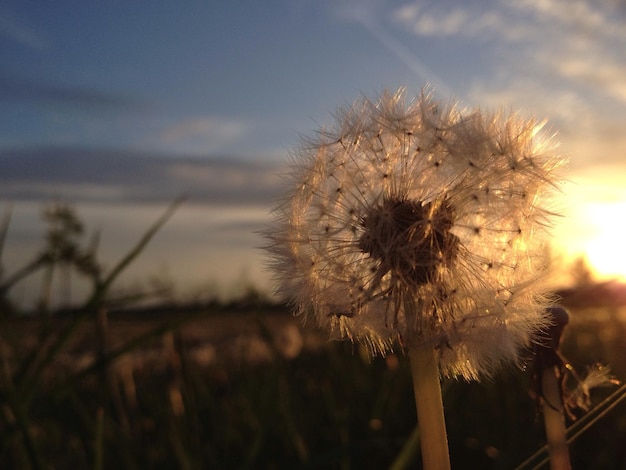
246, 386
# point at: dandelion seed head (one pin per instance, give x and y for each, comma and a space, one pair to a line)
417, 224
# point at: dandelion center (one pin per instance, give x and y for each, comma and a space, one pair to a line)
410, 239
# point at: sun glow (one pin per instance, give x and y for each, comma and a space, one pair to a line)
606, 248
593, 226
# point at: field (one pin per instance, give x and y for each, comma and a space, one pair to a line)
246, 385
214, 385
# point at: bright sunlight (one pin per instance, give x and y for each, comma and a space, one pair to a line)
605, 249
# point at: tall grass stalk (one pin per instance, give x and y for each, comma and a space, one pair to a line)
17, 413
19, 387
100, 288
577, 429
406, 456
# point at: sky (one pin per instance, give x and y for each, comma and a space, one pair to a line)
119, 107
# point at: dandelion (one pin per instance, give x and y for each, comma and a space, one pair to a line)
417, 226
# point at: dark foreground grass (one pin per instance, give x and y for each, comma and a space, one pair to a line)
171, 391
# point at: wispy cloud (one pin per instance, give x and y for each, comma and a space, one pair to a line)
440, 20
87, 175
607, 76
562, 59
582, 43
578, 42
207, 134
43, 93
17, 31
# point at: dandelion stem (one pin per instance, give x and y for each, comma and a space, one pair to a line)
554, 421
429, 405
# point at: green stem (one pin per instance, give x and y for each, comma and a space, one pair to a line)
429, 405
409, 451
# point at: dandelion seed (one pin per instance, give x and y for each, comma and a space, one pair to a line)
420, 204
597, 376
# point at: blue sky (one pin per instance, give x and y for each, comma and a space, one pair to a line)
128, 104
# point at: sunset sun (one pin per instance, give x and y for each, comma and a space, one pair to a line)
605, 249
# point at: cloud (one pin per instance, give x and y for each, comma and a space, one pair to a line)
571, 40
524, 21
594, 70
203, 134
560, 59
87, 175
16, 31
449, 22
579, 42
556, 59
581, 14
466, 21
42, 93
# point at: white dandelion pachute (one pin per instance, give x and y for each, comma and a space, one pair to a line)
416, 224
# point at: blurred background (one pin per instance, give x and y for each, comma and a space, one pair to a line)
118, 108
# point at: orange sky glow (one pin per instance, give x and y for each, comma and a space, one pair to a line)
594, 221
